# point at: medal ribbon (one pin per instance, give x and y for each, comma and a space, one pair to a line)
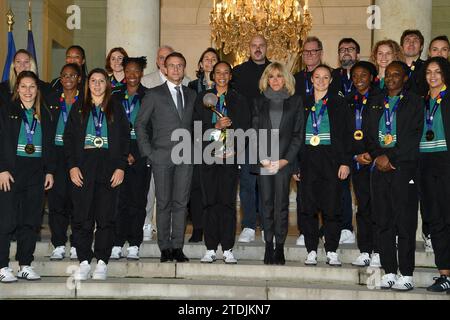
129, 108
98, 121
347, 82
389, 115
316, 121
359, 109
62, 104
430, 113
309, 88
29, 130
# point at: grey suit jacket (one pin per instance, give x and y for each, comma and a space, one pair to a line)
154, 80
157, 119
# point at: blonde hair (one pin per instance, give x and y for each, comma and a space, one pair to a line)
395, 47
12, 72
288, 78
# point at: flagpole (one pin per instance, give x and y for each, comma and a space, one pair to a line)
30, 20
10, 20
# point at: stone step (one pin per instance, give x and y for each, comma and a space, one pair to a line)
176, 289
251, 251
244, 270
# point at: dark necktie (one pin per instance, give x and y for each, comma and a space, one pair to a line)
179, 102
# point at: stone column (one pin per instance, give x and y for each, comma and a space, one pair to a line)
399, 15
134, 25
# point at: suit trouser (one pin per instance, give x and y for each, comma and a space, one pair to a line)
59, 202
435, 191
94, 205
151, 198
248, 195
274, 191
132, 201
195, 200
366, 235
172, 184
391, 198
219, 186
321, 191
346, 206
21, 210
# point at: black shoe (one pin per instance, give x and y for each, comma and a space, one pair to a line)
197, 236
268, 255
279, 255
166, 255
179, 256
441, 284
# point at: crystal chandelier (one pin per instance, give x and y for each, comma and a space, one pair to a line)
284, 23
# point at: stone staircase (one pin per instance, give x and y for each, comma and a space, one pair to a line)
250, 279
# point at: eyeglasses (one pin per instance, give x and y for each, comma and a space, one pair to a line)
175, 66
311, 52
69, 76
349, 50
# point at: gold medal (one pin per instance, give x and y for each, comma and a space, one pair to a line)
30, 148
388, 139
315, 141
358, 135
98, 142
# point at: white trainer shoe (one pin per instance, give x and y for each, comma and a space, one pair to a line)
133, 253
116, 253
82, 274
388, 280
73, 253
100, 271
209, 257
363, 260
403, 283
247, 235
7, 275
59, 253
28, 273
148, 232
427, 244
228, 257
347, 237
333, 259
311, 259
375, 261
300, 240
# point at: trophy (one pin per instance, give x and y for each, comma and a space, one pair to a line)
210, 101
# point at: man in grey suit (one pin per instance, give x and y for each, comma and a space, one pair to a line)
155, 79
165, 109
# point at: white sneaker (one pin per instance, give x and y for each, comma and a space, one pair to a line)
7, 275
133, 253
116, 253
73, 254
209, 257
82, 274
333, 259
388, 280
347, 237
228, 257
363, 260
300, 240
375, 261
28, 273
148, 232
428, 245
247, 235
59, 253
311, 259
100, 271
403, 283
